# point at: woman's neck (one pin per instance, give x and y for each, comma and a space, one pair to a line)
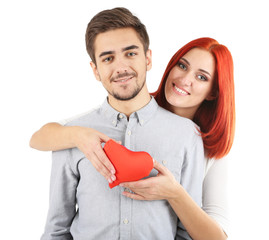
182, 112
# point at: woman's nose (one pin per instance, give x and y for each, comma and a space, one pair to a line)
186, 79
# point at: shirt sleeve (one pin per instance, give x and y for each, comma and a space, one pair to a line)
215, 202
192, 175
62, 204
66, 121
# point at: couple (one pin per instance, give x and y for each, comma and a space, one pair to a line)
197, 85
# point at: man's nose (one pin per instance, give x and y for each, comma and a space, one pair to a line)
121, 66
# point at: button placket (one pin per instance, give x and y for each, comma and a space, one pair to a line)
129, 132
126, 203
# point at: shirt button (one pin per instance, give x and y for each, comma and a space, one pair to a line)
125, 221
164, 162
120, 116
142, 122
129, 132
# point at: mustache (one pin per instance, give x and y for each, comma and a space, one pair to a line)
122, 75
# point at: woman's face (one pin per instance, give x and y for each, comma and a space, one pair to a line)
190, 82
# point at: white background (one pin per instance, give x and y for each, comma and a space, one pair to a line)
45, 76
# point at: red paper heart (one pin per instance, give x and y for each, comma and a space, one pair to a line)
129, 165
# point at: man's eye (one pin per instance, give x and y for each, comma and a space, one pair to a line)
131, 54
108, 59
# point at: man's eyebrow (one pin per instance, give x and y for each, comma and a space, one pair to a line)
202, 70
106, 53
129, 48
123, 50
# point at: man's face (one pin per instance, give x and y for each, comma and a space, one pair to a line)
121, 63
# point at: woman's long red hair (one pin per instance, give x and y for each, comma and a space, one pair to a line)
216, 118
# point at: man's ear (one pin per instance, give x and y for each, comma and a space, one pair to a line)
149, 59
95, 71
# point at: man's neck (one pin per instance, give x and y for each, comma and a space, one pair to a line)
132, 105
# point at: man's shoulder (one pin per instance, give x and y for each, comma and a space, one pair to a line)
68, 157
181, 122
84, 118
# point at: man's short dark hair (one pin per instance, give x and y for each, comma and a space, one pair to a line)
112, 19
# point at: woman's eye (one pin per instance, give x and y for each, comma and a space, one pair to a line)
201, 77
182, 66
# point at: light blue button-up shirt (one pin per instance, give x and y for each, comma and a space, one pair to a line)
83, 207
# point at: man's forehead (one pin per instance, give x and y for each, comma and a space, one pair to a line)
117, 40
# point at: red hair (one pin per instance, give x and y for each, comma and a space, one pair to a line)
216, 118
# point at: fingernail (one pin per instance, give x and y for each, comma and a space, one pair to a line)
113, 178
109, 180
112, 171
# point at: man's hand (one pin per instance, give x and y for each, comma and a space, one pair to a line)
163, 186
89, 142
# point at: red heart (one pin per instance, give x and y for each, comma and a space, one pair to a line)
129, 165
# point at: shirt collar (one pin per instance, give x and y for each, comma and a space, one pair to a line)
142, 115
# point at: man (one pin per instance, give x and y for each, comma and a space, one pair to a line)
82, 206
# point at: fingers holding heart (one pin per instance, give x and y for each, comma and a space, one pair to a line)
142, 190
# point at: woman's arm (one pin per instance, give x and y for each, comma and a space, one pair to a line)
198, 224
53, 137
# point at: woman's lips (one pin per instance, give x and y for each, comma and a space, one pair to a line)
180, 91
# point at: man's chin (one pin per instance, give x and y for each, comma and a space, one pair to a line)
125, 97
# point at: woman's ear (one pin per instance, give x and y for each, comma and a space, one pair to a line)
212, 95
95, 71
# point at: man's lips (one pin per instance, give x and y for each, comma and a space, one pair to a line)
181, 91
123, 77
123, 80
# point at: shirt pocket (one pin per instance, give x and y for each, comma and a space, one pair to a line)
172, 162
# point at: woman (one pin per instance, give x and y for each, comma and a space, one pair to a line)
197, 84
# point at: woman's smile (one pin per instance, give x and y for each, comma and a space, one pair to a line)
181, 91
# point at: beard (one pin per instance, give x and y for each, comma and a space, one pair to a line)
132, 94
129, 96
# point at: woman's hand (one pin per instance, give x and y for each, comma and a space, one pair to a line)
89, 142
163, 186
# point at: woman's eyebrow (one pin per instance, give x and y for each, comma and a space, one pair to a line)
185, 60
202, 70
